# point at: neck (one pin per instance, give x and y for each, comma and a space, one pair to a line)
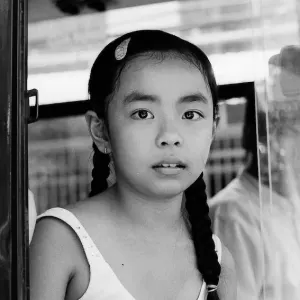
251, 165
149, 213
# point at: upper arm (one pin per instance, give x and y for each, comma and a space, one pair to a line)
227, 288
243, 240
50, 261
31, 214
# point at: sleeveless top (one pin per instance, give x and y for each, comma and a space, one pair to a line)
100, 271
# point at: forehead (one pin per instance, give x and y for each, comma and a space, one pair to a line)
174, 76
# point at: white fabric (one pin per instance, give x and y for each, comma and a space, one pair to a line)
31, 214
100, 271
263, 238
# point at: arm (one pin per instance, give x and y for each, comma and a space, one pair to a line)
244, 244
51, 265
227, 288
31, 214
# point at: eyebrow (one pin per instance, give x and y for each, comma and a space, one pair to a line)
136, 96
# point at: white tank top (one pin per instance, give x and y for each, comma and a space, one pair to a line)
100, 271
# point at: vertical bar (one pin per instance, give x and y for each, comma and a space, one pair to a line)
5, 144
13, 148
19, 211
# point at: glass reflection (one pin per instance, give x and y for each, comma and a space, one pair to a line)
258, 214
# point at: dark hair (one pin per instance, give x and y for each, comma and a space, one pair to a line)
104, 79
249, 142
253, 120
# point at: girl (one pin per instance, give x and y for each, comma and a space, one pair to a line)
153, 114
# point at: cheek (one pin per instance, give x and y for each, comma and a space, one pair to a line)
129, 136
126, 135
199, 146
128, 148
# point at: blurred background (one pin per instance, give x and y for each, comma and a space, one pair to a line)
64, 37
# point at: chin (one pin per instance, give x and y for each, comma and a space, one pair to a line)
161, 186
165, 189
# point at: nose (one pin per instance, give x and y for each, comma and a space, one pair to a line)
169, 136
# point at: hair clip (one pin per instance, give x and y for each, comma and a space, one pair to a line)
121, 50
211, 288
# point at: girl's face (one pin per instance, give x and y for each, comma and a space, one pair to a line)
160, 126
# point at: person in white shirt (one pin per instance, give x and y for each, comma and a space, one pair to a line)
5, 232
258, 217
32, 214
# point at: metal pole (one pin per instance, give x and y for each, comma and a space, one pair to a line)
13, 151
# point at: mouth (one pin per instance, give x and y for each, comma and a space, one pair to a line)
169, 168
170, 164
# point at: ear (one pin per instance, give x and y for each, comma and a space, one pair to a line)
98, 131
215, 126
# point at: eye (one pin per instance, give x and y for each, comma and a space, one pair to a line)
142, 114
192, 115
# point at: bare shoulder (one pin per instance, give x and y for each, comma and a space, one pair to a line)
58, 263
93, 212
52, 259
227, 283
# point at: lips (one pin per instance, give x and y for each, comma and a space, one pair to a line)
170, 164
169, 168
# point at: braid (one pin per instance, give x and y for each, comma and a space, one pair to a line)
100, 172
207, 259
